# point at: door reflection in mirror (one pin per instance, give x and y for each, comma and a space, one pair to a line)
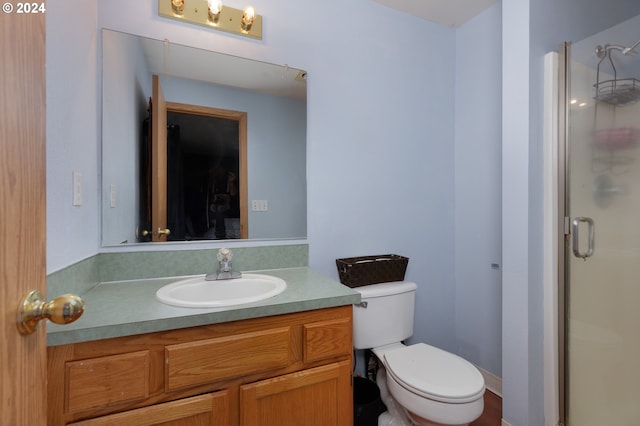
203, 175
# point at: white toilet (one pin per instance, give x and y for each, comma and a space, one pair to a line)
433, 387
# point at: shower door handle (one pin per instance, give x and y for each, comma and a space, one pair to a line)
575, 226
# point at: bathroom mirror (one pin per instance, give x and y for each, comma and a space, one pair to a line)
272, 97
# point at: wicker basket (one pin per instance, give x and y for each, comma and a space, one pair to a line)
365, 270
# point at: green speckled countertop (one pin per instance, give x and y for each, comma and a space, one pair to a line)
124, 308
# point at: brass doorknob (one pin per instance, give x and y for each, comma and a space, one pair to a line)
161, 231
61, 310
156, 233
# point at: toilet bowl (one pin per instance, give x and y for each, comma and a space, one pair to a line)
433, 387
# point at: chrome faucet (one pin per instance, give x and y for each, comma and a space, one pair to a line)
225, 270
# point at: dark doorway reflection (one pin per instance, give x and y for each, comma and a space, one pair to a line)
202, 177
202, 180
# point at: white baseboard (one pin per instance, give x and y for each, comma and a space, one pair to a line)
505, 423
491, 381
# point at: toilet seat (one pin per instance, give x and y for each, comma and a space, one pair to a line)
434, 374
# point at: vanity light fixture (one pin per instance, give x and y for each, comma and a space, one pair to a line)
213, 14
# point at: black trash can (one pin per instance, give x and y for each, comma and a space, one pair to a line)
367, 404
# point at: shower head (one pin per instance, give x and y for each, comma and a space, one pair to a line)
629, 50
603, 51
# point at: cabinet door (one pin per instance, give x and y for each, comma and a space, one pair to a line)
314, 397
204, 410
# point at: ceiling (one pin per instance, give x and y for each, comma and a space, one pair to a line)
451, 13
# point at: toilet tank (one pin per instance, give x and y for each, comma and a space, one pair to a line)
388, 315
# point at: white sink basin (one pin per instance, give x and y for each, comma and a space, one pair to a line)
199, 293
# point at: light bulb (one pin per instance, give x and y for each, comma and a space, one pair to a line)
177, 6
248, 16
215, 7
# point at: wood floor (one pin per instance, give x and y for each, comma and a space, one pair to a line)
492, 414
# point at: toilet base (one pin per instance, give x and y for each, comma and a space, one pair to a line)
417, 420
386, 419
397, 415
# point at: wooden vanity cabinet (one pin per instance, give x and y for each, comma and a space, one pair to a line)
287, 369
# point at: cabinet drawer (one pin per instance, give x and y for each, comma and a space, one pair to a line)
205, 361
105, 381
326, 339
211, 409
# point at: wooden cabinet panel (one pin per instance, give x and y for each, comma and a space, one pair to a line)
318, 396
295, 366
106, 381
194, 363
206, 410
326, 339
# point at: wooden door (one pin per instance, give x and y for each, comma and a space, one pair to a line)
159, 159
22, 214
158, 163
319, 396
240, 117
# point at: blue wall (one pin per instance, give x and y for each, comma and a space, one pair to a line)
478, 177
73, 131
125, 90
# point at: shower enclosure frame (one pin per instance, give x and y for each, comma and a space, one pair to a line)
562, 218
559, 262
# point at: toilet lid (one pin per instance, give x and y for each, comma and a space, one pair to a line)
434, 373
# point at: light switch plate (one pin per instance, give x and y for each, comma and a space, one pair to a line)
259, 205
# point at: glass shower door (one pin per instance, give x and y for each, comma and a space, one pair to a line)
602, 259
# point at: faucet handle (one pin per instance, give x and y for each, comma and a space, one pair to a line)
224, 255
